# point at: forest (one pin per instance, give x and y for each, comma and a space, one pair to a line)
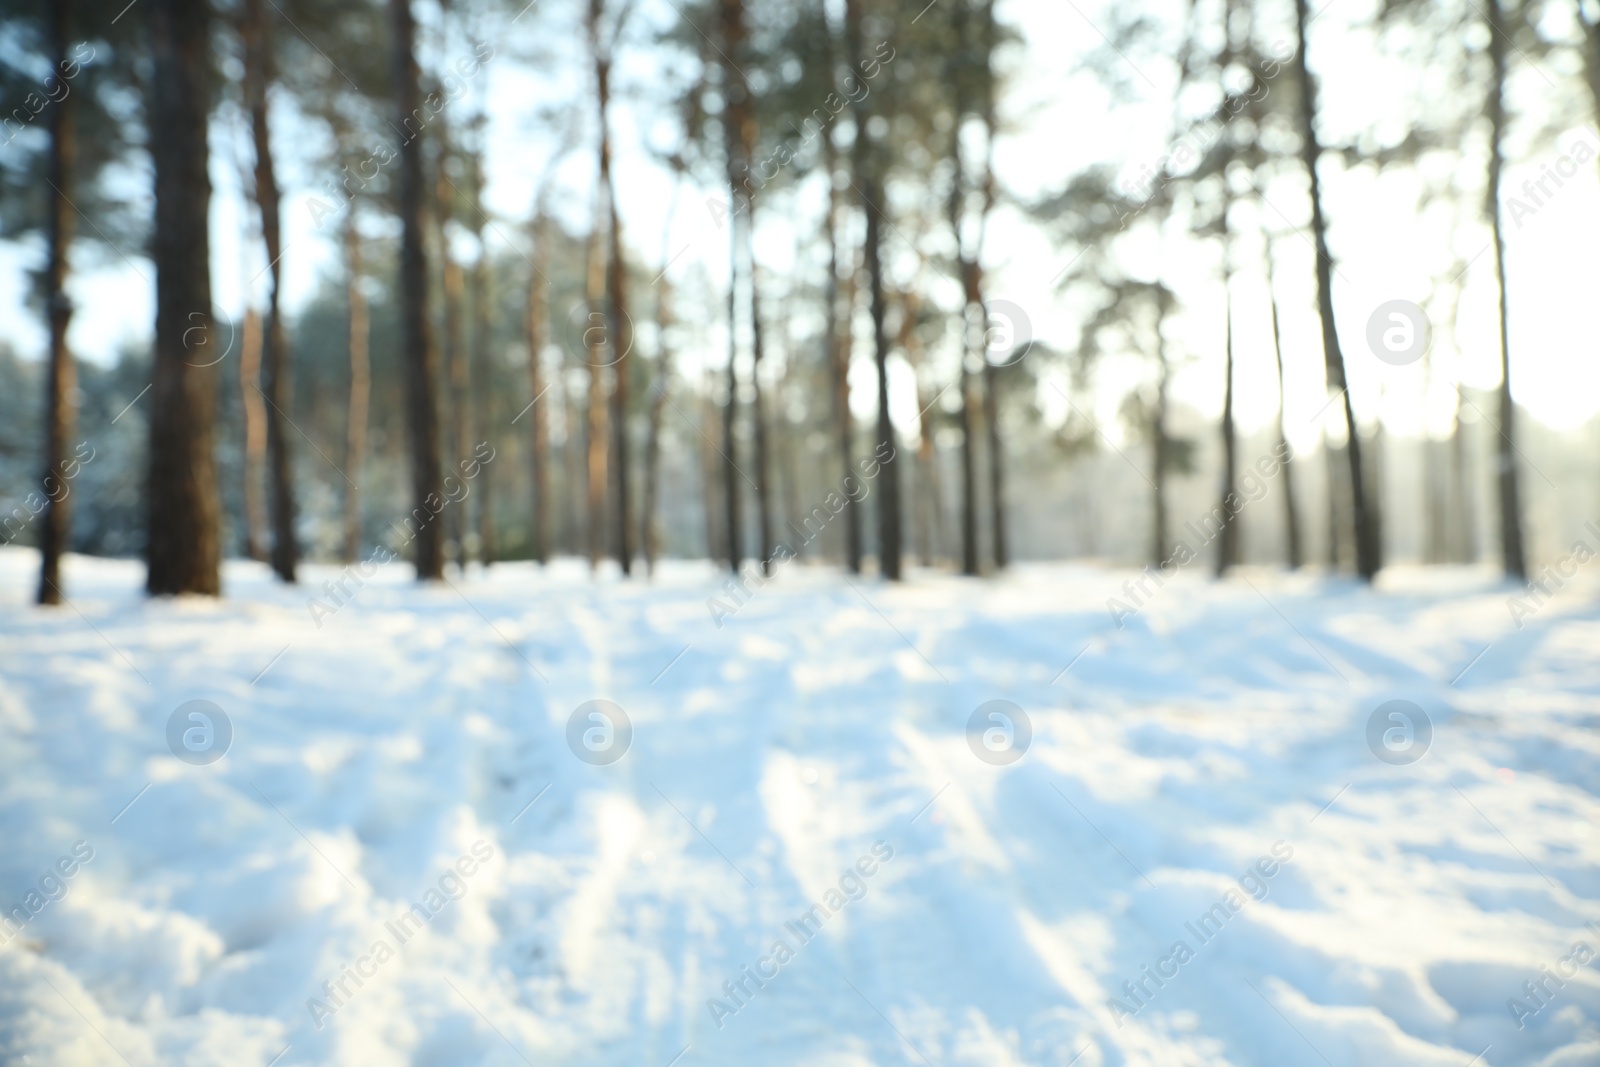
1044, 533
695, 379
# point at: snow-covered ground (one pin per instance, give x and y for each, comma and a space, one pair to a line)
1200, 777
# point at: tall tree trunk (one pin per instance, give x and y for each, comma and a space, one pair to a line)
481, 371
183, 551
1291, 514
1160, 446
420, 357
456, 352
971, 326
711, 464
1369, 557
355, 451
997, 465
991, 373
737, 115
650, 521
925, 495
866, 164
838, 341
538, 426
757, 408
275, 363
1228, 536
255, 434
595, 339
1512, 556
889, 480
969, 479
60, 405
619, 327
1465, 544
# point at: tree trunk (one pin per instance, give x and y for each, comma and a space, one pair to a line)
275, 364
538, 428
736, 117
1368, 551
711, 463
255, 434
185, 514
420, 357
1162, 452
1512, 555
991, 373
1291, 514
650, 530
1465, 544
838, 343
619, 328
757, 409
972, 305
481, 372
870, 186
595, 339
1228, 536
456, 352
925, 492
360, 388
60, 405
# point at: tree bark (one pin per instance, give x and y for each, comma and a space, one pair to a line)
538, 427
757, 408
650, 532
480, 370
991, 373
255, 434
1228, 536
594, 348
1512, 555
276, 388
972, 305
456, 352
619, 328
355, 450
183, 551
1291, 514
870, 186
1369, 557
60, 406
838, 343
736, 115
1161, 449
420, 357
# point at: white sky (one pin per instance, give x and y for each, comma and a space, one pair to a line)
1059, 123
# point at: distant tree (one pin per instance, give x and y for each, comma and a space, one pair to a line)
1512, 555
58, 140
1368, 550
277, 391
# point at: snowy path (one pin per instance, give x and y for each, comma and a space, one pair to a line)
378, 760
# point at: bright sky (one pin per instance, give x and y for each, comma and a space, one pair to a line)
1059, 122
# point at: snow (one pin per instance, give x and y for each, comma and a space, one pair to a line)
412, 750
